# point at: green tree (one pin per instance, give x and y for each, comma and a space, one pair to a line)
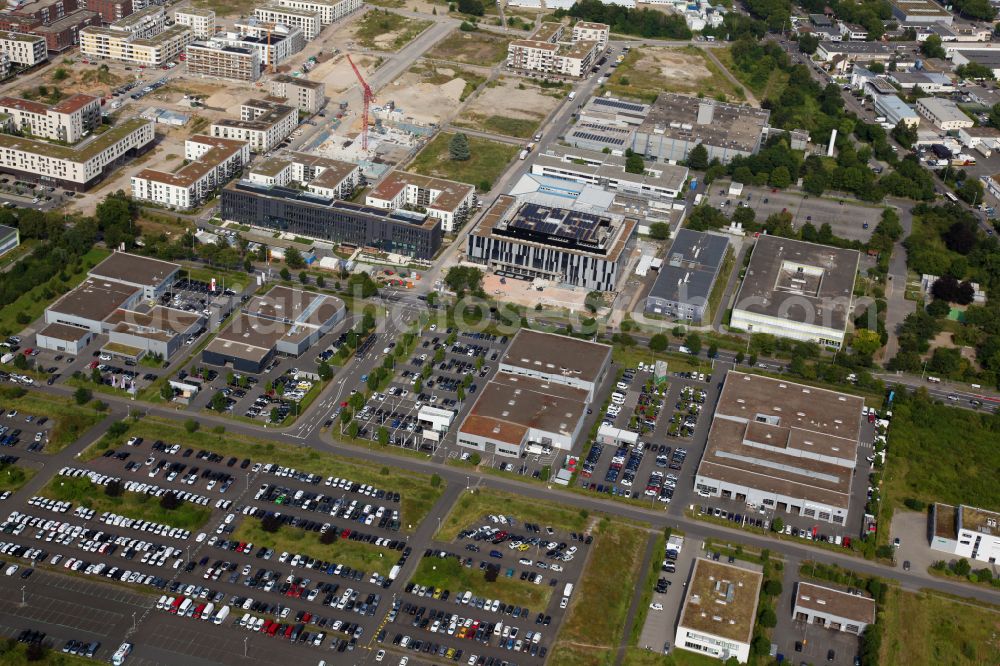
772, 588
472, 7
808, 43
324, 371
659, 231
780, 177
167, 392
383, 436
60, 75
932, 48
658, 342
82, 396
320, 281
634, 163
352, 429
777, 525
285, 274
713, 350
303, 277
464, 278
693, 343
191, 425
293, 258
219, 402
458, 148
767, 618
435, 481
698, 158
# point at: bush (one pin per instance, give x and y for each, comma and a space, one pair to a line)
114, 488
270, 524
915, 504
767, 618
435, 481
772, 588
82, 396
170, 501
475, 459
191, 425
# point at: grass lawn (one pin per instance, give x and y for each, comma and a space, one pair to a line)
80, 490
354, 554
472, 507
641, 657
522, 128
16, 654
235, 280
12, 477
69, 420
448, 573
473, 48
593, 629
921, 430
923, 628
227, 7
676, 362
18, 252
720, 282
34, 302
417, 494
400, 28
489, 159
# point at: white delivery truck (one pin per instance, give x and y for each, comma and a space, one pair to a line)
221, 616
7, 358
568, 590
394, 572
523, 155
572, 95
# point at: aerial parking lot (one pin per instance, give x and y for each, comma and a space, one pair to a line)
847, 218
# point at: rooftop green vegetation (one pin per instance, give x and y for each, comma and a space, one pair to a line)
78, 153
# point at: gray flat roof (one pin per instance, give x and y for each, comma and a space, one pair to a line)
6, 231
690, 268
556, 354
799, 281
830, 601
716, 123
95, 299
64, 332
134, 269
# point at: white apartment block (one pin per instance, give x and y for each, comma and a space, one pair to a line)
307, 95
445, 200
282, 43
965, 531
155, 51
213, 60
330, 11
944, 113
212, 162
532, 55
200, 21
305, 20
587, 31
262, 123
321, 175
79, 166
144, 23
23, 50
68, 121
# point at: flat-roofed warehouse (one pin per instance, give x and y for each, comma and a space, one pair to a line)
720, 609
833, 609
675, 124
782, 446
285, 320
541, 236
798, 290
965, 531
685, 281
153, 276
557, 359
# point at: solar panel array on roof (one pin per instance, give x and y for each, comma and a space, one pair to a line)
560, 222
618, 104
587, 136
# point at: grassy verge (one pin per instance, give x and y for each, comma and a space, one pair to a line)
418, 492
676, 362
70, 420
642, 657
13, 653
13, 477
235, 280
593, 629
377, 23
924, 628
471, 507
82, 491
448, 573
521, 128
18, 252
647, 589
352, 554
720, 284
33, 302
488, 160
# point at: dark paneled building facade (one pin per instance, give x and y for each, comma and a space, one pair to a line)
307, 214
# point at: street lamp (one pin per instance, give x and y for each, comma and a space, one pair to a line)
23, 598
245, 639
133, 621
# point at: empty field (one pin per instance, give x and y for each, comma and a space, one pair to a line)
648, 70
474, 48
510, 107
384, 31
488, 160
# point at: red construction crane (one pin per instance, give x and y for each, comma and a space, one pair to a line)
368, 97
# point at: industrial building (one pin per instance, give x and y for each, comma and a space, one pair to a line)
783, 447
159, 331
658, 181
284, 321
308, 96
965, 531
537, 236
306, 21
280, 208
929, 82
262, 123
324, 176
719, 610
446, 200
920, 11
210, 163
943, 113
833, 609
79, 166
677, 123
539, 394
986, 57
64, 338
215, 61
10, 237
330, 11
201, 21
798, 290
685, 281
895, 110
152, 276
67, 121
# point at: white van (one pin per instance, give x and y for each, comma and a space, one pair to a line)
934, 380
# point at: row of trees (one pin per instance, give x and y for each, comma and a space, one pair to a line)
641, 22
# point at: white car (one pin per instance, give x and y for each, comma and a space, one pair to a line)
656, 606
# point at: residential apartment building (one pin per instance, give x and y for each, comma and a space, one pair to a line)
445, 200
200, 21
57, 21
531, 55
213, 60
76, 167
273, 45
68, 121
112, 10
120, 45
327, 177
943, 113
587, 31
144, 23
308, 96
264, 124
23, 50
211, 163
305, 20
330, 11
